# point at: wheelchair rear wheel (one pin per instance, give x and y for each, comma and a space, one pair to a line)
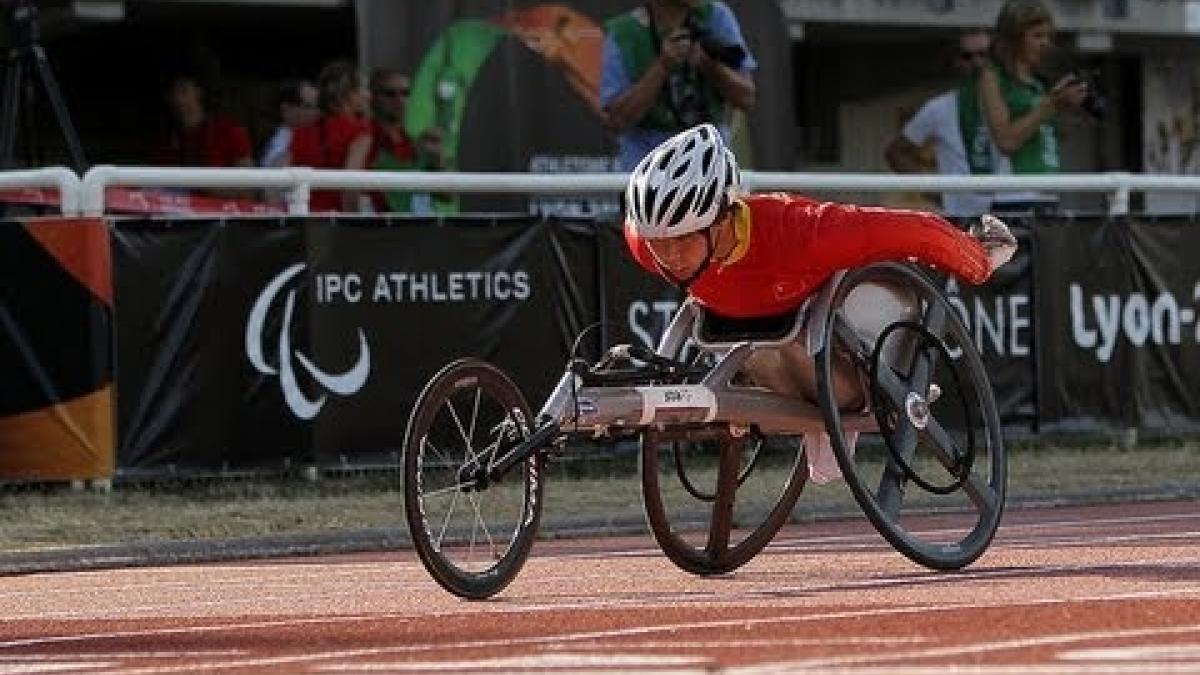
933, 480
473, 537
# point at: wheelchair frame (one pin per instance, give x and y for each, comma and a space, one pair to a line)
657, 398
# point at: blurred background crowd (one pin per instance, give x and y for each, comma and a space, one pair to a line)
983, 87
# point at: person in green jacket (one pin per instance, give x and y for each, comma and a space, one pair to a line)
1022, 113
669, 65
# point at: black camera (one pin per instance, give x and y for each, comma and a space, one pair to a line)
730, 55
1094, 103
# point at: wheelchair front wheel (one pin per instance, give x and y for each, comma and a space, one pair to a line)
473, 537
933, 481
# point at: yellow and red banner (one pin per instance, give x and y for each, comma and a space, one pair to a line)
56, 309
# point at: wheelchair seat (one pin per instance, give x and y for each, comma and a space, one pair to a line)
714, 330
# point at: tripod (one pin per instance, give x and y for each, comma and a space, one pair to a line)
26, 54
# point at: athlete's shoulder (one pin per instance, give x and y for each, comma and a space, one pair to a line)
775, 200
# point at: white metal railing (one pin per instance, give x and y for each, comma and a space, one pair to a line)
63, 179
87, 196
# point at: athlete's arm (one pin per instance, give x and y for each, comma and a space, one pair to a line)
846, 236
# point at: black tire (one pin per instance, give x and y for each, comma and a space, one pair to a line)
723, 549
472, 542
950, 448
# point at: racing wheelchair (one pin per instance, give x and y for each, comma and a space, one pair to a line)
893, 364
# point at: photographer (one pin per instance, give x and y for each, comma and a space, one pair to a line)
668, 66
1022, 113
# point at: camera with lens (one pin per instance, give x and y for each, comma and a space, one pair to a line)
730, 55
1094, 103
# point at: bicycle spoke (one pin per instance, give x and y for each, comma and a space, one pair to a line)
891, 483
944, 448
456, 488
426, 443
895, 389
468, 454
483, 526
474, 415
445, 523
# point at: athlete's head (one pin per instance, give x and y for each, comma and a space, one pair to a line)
682, 185
677, 193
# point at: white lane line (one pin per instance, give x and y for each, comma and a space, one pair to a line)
869, 539
533, 661
1100, 540
70, 667
185, 577
872, 640
824, 664
641, 599
740, 593
1190, 652
15, 658
458, 646
190, 630
1016, 669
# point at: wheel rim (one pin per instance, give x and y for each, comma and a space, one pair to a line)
968, 514
472, 537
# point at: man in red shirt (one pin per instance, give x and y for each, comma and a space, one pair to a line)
199, 138
742, 255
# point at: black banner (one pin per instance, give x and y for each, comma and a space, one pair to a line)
249, 341
1000, 316
252, 342
1118, 332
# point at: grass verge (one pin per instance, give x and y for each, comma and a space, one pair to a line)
601, 493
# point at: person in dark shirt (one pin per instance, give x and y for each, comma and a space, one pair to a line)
198, 137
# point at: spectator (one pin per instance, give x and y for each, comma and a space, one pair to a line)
668, 66
325, 143
391, 148
1021, 113
198, 138
953, 122
298, 107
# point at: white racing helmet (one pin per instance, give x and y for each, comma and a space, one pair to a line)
682, 185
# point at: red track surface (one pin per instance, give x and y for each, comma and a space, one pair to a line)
1095, 590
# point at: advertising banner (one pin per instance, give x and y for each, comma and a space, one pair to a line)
246, 343
1000, 317
259, 342
533, 69
55, 350
1118, 333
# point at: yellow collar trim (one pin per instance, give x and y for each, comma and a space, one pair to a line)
741, 230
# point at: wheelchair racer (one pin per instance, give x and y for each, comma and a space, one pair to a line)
746, 255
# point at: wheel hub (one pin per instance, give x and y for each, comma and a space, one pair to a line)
917, 410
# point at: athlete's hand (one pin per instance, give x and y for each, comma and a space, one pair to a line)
998, 242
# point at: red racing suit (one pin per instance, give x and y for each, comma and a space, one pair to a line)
796, 243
